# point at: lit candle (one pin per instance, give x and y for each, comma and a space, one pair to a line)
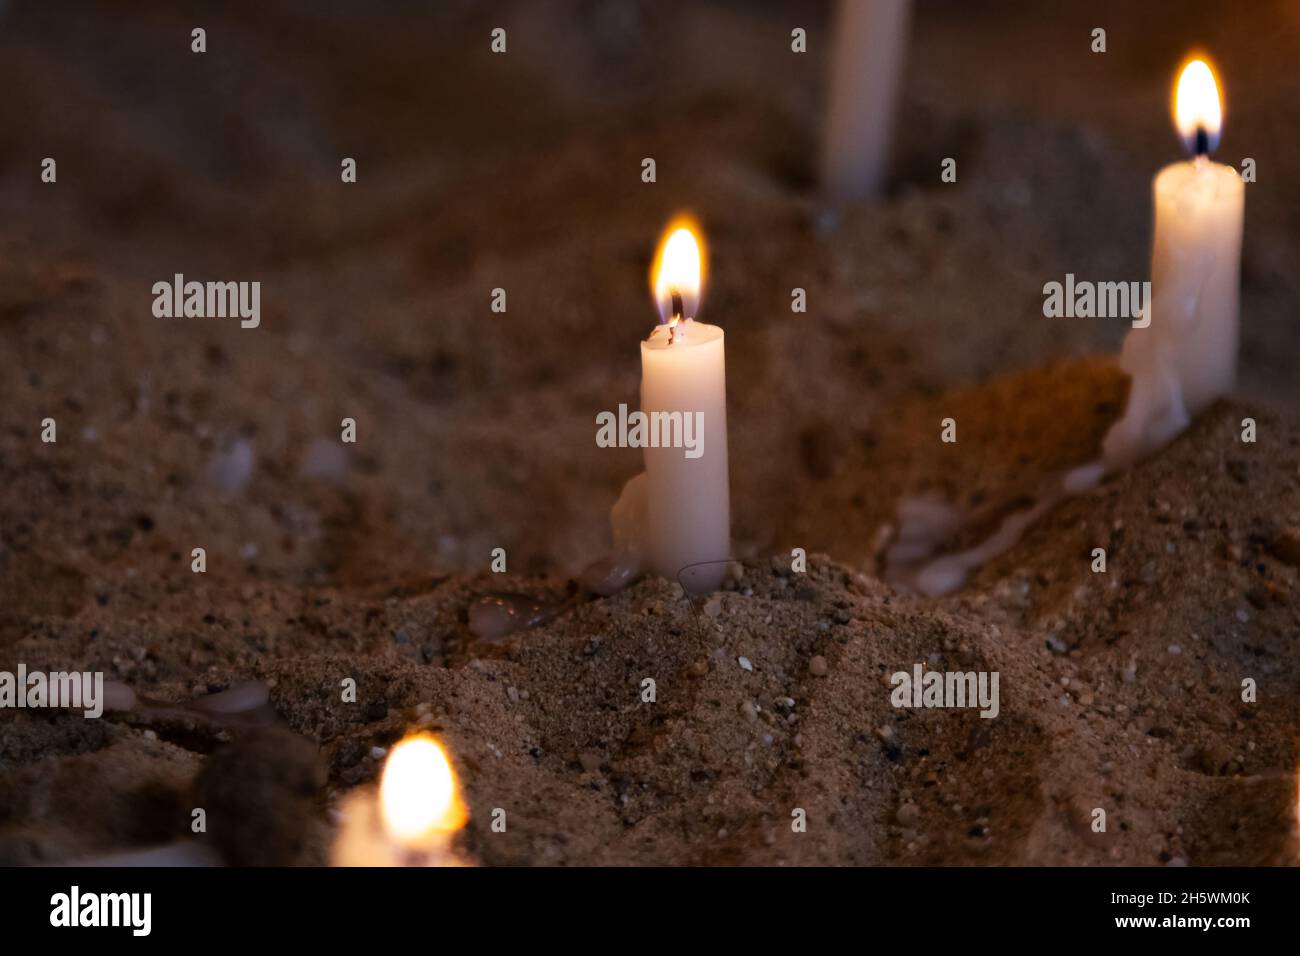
1186, 355
412, 820
1180, 357
675, 518
869, 37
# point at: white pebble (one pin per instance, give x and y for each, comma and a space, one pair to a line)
325, 460
231, 468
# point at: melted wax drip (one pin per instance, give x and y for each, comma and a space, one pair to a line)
500, 614
915, 560
243, 704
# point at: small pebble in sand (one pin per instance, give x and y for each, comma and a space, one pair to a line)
908, 814
325, 460
749, 710
1242, 615
744, 663
713, 606
1214, 758
231, 468
885, 733
817, 666
1174, 649
699, 668
377, 753
590, 762
118, 696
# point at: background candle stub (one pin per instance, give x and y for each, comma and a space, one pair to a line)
869, 48
414, 816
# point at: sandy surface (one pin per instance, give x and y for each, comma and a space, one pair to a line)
476, 430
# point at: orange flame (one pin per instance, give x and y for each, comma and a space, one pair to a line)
679, 268
418, 795
1197, 105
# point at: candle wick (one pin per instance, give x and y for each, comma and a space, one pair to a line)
1202, 141
679, 315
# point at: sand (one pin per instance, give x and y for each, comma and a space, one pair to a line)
1120, 691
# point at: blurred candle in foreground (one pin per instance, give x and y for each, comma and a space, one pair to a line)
412, 820
868, 41
1185, 356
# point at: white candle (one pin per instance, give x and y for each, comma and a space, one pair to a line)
675, 518
683, 370
1180, 357
869, 39
1186, 356
412, 819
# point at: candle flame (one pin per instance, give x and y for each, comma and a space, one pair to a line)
417, 793
1197, 107
678, 270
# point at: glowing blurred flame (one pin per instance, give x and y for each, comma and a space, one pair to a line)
1197, 105
678, 267
418, 796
